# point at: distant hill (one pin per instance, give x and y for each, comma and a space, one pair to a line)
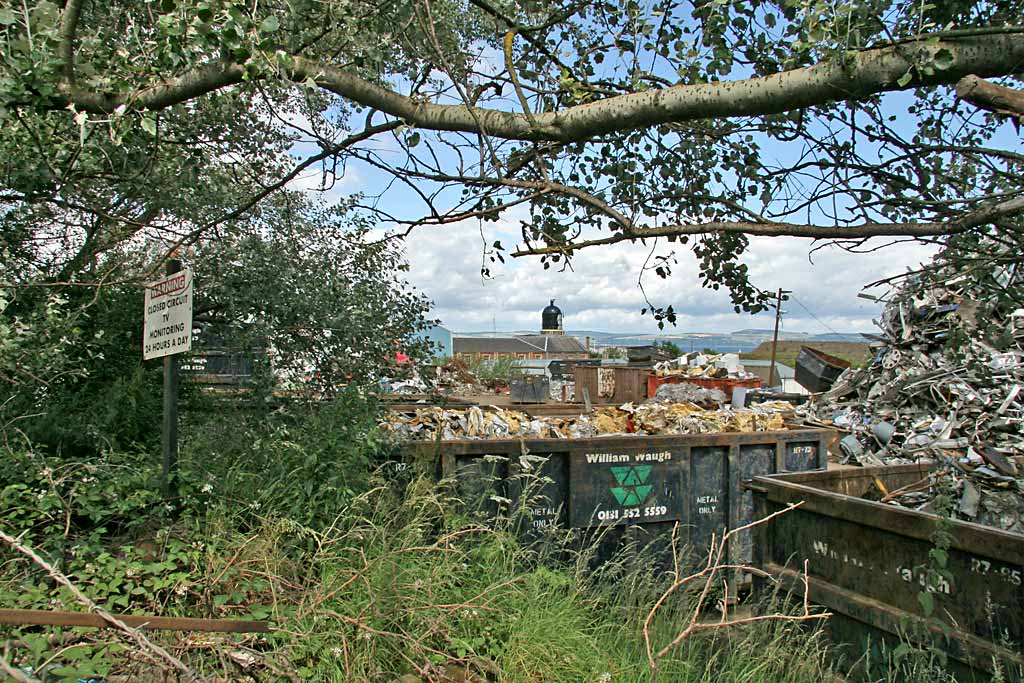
857, 353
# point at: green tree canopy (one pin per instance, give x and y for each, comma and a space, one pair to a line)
703, 122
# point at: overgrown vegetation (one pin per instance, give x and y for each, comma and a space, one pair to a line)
367, 573
499, 368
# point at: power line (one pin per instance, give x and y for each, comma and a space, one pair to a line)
811, 313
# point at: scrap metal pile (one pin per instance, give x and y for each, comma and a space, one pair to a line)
947, 386
455, 378
646, 419
690, 393
710, 366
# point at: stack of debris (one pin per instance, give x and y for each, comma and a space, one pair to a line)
947, 386
455, 377
690, 393
647, 419
709, 366
605, 383
563, 391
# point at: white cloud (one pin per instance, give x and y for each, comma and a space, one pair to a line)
315, 180
601, 292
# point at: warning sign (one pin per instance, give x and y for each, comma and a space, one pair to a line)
624, 486
167, 317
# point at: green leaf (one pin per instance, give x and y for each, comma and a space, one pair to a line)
927, 603
7, 16
943, 59
270, 24
903, 80
149, 124
412, 140
901, 651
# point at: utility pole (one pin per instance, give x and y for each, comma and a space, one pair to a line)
775, 336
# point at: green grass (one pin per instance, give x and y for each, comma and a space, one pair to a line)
366, 576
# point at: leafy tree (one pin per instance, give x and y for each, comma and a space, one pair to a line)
305, 282
612, 352
670, 347
315, 287
701, 122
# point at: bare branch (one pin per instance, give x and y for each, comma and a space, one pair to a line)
974, 219
68, 28
713, 566
16, 675
134, 634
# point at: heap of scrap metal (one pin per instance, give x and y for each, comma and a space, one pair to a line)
946, 385
455, 377
712, 366
646, 419
685, 392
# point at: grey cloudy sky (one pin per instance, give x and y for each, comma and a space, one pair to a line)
601, 291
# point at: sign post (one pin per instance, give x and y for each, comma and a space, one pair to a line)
167, 332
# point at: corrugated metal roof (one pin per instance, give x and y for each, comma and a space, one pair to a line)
532, 343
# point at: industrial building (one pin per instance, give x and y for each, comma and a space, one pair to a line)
551, 344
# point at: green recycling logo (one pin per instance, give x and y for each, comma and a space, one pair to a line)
631, 489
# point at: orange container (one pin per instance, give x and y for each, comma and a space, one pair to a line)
725, 384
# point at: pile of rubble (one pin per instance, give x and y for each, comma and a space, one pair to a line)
685, 392
646, 419
946, 385
709, 366
562, 391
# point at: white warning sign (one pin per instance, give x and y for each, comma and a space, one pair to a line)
167, 321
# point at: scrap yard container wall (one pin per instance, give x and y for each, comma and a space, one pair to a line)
639, 486
585, 377
630, 385
868, 562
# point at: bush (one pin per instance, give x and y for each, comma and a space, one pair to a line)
301, 462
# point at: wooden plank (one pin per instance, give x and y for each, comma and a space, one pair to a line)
38, 617
630, 385
586, 378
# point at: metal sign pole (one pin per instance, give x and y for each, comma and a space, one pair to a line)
169, 429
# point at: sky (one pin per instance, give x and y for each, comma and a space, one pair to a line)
601, 292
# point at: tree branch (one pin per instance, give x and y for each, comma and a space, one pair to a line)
995, 98
966, 222
68, 27
849, 76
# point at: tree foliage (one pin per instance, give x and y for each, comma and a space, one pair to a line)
310, 284
702, 122
303, 282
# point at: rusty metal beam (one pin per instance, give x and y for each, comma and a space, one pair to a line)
54, 618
